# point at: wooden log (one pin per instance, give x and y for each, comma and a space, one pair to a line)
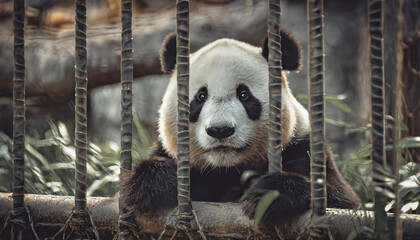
218, 219
49, 52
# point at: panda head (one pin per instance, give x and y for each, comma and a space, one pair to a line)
228, 95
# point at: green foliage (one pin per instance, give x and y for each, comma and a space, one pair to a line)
410, 142
356, 168
49, 162
337, 101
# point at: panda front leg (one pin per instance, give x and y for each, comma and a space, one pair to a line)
151, 185
294, 198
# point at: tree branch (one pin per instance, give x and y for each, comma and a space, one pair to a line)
49, 52
218, 219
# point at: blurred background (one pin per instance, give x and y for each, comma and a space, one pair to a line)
49, 50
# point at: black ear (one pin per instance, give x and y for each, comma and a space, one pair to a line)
168, 53
290, 51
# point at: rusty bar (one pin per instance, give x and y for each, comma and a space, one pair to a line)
217, 219
183, 77
18, 212
80, 108
275, 87
126, 106
317, 106
378, 112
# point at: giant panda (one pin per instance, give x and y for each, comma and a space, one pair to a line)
228, 136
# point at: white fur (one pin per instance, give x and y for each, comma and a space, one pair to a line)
221, 66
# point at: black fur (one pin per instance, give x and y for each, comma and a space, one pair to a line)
168, 54
252, 105
296, 156
216, 185
291, 52
290, 48
152, 185
159, 151
196, 106
294, 198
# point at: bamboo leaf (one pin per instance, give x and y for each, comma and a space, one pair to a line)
263, 205
98, 184
410, 142
411, 206
338, 103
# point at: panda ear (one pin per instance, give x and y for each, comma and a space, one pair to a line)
168, 53
290, 49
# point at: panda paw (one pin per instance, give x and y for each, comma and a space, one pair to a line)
151, 185
293, 200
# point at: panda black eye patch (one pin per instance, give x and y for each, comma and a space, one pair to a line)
197, 104
252, 105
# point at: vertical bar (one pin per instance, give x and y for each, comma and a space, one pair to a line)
275, 87
18, 116
317, 106
394, 97
126, 101
183, 75
80, 108
378, 111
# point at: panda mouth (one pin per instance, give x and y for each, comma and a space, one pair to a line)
223, 148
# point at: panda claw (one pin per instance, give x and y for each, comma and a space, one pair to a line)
293, 200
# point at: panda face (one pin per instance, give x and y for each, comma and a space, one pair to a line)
228, 94
228, 101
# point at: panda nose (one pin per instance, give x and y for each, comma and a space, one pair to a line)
220, 132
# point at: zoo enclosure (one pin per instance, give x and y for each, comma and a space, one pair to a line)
81, 220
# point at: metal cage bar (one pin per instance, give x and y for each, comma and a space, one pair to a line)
375, 8
18, 117
275, 87
80, 108
126, 106
183, 75
317, 106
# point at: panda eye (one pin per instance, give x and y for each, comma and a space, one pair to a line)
243, 95
202, 96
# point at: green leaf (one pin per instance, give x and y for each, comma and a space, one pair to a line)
352, 235
338, 123
98, 184
263, 204
338, 103
410, 142
303, 99
58, 166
